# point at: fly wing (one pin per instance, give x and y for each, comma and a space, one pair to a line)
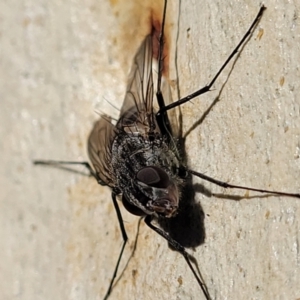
174, 113
137, 110
99, 149
138, 103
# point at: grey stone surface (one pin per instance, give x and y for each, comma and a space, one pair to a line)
58, 230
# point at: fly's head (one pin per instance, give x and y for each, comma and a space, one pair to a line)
162, 193
153, 191
155, 185
146, 169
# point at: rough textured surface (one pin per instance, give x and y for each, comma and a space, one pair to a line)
59, 233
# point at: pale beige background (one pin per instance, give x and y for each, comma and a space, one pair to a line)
59, 61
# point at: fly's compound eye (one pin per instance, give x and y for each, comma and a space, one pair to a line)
154, 177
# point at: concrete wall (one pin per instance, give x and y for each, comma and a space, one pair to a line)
58, 230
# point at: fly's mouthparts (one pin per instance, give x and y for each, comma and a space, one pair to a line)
165, 207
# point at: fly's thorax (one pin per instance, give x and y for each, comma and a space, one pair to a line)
137, 121
146, 172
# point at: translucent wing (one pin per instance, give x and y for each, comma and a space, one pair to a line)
173, 113
137, 113
138, 103
99, 149
137, 110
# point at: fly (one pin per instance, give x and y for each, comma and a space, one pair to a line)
139, 157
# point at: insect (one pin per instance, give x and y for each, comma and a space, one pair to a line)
139, 157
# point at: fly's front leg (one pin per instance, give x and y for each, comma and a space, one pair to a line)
178, 247
125, 238
207, 88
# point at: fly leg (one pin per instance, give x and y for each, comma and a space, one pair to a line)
232, 186
182, 251
162, 118
125, 238
207, 88
63, 165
